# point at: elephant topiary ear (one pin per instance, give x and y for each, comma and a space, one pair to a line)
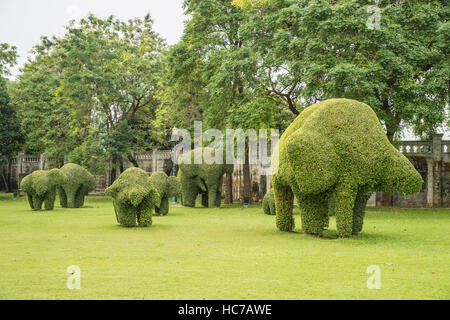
57, 177
27, 183
111, 191
136, 194
174, 186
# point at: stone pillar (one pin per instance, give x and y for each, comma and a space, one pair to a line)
430, 182
268, 182
41, 162
154, 160
437, 170
19, 168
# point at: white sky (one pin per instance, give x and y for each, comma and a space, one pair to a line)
23, 22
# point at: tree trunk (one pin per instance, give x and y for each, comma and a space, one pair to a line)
387, 199
113, 172
247, 180
8, 177
228, 188
133, 160
5, 182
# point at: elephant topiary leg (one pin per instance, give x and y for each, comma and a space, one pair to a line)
49, 202
314, 213
145, 212
204, 199
62, 197
127, 214
37, 202
116, 208
344, 201
70, 196
218, 198
212, 197
163, 207
284, 204
78, 201
188, 198
359, 210
30, 200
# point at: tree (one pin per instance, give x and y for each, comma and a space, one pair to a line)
11, 137
211, 73
110, 75
91, 94
46, 120
324, 49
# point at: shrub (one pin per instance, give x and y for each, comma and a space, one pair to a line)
205, 179
134, 198
167, 187
40, 187
268, 203
336, 153
77, 185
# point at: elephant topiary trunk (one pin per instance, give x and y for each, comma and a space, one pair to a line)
205, 179
77, 185
336, 154
134, 198
167, 187
40, 187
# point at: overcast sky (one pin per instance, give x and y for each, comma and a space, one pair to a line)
23, 22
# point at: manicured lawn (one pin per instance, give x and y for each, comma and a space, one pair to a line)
226, 253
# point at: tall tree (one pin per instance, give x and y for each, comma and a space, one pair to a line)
324, 49
11, 137
46, 120
110, 74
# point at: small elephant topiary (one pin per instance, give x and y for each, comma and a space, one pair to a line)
205, 179
77, 185
134, 198
336, 153
268, 203
40, 187
167, 187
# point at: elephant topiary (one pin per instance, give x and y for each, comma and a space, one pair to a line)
205, 179
268, 203
77, 185
336, 153
167, 187
40, 187
134, 198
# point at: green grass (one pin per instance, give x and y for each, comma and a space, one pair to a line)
226, 253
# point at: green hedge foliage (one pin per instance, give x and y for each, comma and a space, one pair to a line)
204, 179
77, 185
336, 153
40, 187
268, 203
134, 198
167, 188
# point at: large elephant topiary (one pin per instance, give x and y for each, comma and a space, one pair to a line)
134, 198
40, 187
268, 203
77, 185
336, 154
205, 179
167, 187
